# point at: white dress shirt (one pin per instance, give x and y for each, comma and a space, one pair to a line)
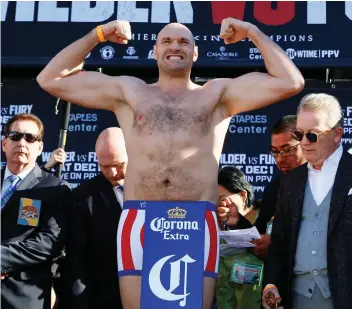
321, 182
119, 195
7, 183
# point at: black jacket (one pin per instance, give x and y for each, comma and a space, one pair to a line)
268, 205
27, 251
282, 251
89, 272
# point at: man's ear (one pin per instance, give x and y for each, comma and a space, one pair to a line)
195, 53
154, 51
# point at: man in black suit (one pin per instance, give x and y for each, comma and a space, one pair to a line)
309, 263
89, 273
33, 218
288, 155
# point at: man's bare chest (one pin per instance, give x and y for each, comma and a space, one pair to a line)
172, 113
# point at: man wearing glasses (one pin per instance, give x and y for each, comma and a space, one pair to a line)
309, 263
89, 273
288, 155
33, 217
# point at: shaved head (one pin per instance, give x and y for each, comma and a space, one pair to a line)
173, 28
112, 156
109, 141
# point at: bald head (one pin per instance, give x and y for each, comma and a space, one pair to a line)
175, 29
112, 156
110, 140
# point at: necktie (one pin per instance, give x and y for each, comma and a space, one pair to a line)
121, 188
8, 193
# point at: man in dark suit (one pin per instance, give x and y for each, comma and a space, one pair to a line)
309, 263
89, 273
33, 218
288, 155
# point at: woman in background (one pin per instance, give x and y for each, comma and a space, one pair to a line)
240, 277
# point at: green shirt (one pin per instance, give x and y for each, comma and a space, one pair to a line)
232, 295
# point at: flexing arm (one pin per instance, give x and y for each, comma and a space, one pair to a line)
256, 90
63, 76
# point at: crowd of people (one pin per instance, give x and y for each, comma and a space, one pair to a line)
61, 248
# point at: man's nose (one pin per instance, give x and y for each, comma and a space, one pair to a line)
175, 46
305, 141
22, 142
112, 172
280, 159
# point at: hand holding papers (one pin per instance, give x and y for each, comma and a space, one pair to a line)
237, 241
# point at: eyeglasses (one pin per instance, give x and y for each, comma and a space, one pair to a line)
284, 153
311, 136
17, 136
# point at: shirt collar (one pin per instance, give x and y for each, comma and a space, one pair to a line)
333, 160
22, 175
119, 187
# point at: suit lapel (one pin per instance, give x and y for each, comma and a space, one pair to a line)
299, 187
109, 196
29, 182
2, 176
342, 183
32, 179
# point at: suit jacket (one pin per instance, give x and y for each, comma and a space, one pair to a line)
282, 251
89, 272
27, 251
268, 205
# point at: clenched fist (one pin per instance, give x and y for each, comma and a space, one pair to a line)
234, 30
227, 211
117, 31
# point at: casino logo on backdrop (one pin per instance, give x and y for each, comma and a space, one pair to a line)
222, 54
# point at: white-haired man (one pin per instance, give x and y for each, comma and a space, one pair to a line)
309, 264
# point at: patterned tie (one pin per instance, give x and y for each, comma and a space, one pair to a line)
8, 193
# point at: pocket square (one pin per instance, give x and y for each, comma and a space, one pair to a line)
350, 192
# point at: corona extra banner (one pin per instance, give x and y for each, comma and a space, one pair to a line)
173, 257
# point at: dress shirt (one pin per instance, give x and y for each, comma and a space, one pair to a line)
119, 195
320, 182
22, 175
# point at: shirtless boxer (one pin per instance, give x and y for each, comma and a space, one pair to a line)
174, 129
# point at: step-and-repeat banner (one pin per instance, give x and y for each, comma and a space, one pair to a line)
313, 33
247, 143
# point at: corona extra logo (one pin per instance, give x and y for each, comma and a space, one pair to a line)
177, 213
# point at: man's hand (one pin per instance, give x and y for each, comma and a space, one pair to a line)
261, 245
227, 211
234, 30
57, 156
271, 297
117, 31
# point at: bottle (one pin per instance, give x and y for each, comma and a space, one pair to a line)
269, 226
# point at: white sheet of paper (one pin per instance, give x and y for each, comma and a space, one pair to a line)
239, 236
237, 241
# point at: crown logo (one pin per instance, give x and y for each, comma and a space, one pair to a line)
177, 213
